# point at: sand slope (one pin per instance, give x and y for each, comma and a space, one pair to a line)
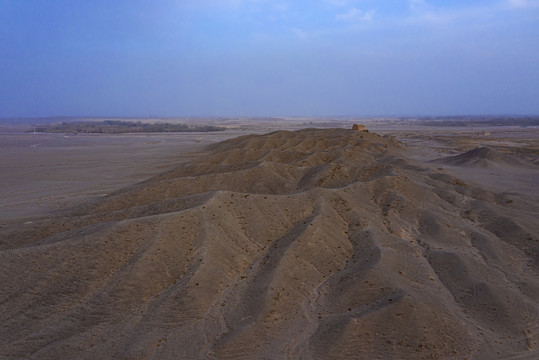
308, 244
483, 157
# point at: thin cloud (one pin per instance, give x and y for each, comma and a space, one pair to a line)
281, 6
523, 3
337, 2
416, 3
224, 3
427, 14
354, 14
300, 34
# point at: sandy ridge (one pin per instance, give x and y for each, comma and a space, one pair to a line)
306, 244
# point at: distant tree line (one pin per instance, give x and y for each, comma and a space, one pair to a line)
122, 127
479, 120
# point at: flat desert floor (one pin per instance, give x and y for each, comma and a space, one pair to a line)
271, 241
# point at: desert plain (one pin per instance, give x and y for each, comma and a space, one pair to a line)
274, 239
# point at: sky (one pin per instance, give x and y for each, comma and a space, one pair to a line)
268, 58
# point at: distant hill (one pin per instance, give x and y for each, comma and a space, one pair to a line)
482, 157
479, 121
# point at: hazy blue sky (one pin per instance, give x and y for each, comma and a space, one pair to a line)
258, 57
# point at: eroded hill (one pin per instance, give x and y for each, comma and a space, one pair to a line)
307, 244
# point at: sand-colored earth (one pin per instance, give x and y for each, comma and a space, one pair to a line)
307, 244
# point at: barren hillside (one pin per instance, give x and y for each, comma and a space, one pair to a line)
312, 244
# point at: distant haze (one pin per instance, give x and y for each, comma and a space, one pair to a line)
268, 58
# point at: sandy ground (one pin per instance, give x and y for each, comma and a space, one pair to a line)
404, 243
44, 172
